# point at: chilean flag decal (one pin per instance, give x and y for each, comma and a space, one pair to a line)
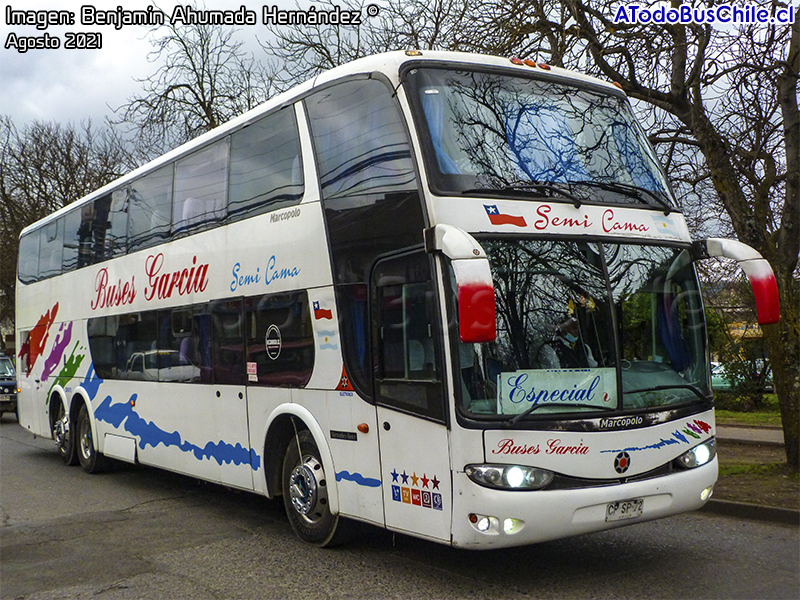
322, 313
498, 218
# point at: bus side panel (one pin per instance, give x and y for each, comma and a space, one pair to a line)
355, 453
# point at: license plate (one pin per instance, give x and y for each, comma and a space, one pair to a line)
5, 397
625, 509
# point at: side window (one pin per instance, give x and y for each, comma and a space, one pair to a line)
116, 242
201, 183
50, 249
137, 346
280, 340
178, 357
405, 336
360, 140
28, 270
266, 167
150, 200
103, 346
227, 342
72, 242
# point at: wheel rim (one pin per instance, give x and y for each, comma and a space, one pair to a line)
86, 440
307, 489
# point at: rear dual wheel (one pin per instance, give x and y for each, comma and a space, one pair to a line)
91, 460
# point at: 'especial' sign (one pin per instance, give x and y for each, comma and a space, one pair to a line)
519, 390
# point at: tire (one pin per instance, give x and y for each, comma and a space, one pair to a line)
305, 494
64, 436
91, 460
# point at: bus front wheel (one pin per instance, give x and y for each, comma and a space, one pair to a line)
305, 493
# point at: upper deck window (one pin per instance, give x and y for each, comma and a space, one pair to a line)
488, 133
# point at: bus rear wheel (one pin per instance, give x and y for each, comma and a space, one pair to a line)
91, 460
64, 436
305, 494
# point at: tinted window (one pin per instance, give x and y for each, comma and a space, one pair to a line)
227, 342
50, 247
29, 257
404, 312
360, 140
137, 344
280, 340
72, 240
266, 168
201, 181
150, 200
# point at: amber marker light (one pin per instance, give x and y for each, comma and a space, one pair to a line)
529, 62
363, 428
544, 66
516, 61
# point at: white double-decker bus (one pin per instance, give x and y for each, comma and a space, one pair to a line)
446, 294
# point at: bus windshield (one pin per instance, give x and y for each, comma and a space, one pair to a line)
493, 133
587, 327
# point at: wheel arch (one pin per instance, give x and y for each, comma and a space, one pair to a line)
57, 395
280, 430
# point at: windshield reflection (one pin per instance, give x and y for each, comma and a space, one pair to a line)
499, 133
575, 320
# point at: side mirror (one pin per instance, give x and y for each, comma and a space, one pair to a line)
757, 269
476, 307
474, 286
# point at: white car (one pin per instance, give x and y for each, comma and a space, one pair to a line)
161, 365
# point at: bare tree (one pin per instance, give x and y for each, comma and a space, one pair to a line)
43, 167
729, 97
205, 78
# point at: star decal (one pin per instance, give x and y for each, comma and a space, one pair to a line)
404, 476
425, 481
435, 483
414, 479
395, 475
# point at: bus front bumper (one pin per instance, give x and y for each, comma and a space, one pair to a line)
489, 518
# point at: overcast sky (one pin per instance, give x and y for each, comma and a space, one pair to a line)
66, 85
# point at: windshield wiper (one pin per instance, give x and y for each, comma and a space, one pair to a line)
632, 191
522, 415
528, 188
659, 388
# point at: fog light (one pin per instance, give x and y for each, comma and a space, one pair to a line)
483, 524
511, 526
706, 493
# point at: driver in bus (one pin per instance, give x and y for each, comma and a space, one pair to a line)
570, 350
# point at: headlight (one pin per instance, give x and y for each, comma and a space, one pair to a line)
699, 455
509, 477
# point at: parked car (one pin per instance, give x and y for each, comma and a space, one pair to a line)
722, 380
8, 386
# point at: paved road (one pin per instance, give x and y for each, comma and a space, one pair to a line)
142, 533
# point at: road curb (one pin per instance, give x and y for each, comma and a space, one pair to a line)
743, 510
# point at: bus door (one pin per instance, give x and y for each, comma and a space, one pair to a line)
415, 462
230, 412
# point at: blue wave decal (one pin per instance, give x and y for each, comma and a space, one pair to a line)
92, 382
150, 434
328, 347
358, 478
